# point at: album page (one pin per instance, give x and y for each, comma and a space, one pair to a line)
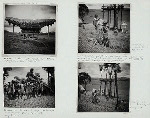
74, 59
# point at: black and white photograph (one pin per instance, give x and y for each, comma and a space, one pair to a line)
30, 29
29, 87
103, 87
104, 28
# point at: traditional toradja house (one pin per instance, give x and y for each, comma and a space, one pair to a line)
30, 27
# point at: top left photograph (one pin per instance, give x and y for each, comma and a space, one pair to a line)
29, 29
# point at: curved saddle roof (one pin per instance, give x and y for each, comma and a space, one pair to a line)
29, 23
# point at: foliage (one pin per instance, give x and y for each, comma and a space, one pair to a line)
83, 10
115, 66
83, 78
49, 69
51, 79
6, 69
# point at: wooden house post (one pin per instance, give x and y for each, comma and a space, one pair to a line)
115, 16
121, 18
110, 16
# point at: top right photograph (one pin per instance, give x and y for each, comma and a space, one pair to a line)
104, 28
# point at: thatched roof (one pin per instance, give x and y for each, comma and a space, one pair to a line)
29, 23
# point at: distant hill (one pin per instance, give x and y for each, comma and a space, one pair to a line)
119, 78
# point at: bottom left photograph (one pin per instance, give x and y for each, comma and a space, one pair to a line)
29, 87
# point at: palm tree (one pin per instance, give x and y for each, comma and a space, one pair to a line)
106, 65
101, 68
117, 69
84, 78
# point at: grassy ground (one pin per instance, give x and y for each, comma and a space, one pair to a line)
38, 102
105, 104
87, 36
18, 45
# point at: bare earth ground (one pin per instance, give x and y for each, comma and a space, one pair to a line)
85, 104
18, 45
87, 37
38, 102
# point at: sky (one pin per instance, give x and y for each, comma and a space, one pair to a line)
30, 12
93, 69
21, 72
98, 6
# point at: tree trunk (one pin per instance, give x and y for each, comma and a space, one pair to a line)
100, 88
116, 89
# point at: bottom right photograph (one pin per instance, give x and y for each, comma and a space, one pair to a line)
103, 87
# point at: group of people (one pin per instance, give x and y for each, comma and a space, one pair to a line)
102, 27
94, 95
32, 86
